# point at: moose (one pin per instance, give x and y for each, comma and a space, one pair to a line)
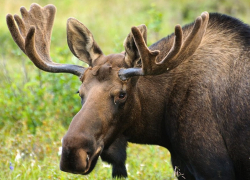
189, 92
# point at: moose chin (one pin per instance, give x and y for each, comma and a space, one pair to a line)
189, 92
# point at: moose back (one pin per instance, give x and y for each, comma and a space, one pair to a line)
189, 92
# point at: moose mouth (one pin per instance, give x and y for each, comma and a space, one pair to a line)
91, 161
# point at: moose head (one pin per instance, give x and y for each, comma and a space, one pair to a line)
117, 101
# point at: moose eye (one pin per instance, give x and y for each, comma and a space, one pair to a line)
139, 63
122, 95
81, 96
78, 93
119, 96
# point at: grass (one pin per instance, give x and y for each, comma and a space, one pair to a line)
36, 107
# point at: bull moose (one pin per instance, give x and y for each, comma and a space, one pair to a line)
189, 92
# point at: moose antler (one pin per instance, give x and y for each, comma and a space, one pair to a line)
179, 52
34, 36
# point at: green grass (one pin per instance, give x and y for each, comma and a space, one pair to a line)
37, 107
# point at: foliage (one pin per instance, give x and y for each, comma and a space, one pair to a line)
37, 107
36, 99
154, 22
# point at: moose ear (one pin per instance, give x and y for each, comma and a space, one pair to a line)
131, 50
81, 42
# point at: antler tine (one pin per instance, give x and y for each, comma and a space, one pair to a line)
15, 33
34, 36
178, 40
21, 25
147, 56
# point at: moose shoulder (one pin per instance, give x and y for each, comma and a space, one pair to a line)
189, 92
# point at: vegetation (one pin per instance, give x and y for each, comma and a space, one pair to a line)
37, 107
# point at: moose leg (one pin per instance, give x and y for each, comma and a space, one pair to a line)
180, 169
115, 154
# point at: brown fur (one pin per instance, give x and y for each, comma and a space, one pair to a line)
196, 110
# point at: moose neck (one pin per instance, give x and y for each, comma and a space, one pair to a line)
147, 114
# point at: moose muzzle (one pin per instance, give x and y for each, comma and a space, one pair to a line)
79, 154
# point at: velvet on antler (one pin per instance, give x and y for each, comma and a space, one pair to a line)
33, 36
181, 50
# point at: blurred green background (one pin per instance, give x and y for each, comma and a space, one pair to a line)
36, 107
